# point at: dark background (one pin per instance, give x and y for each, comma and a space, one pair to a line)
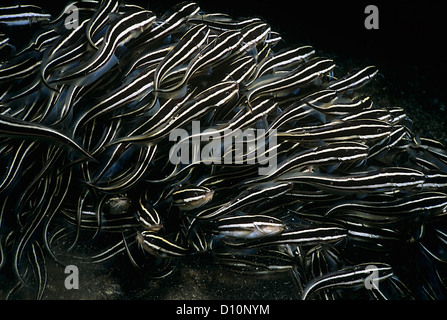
409, 50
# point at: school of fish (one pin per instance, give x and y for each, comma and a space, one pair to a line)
355, 206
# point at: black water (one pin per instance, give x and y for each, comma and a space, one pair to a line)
409, 50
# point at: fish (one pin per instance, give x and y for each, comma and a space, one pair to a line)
420, 203
254, 34
22, 15
171, 21
249, 196
225, 44
213, 97
99, 19
362, 129
370, 237
283, 60
375, 181
190, 198
355, 80
323, 234
148, 216
13, 170
262, 261
222, 22
304, 74
249, 226
20, 129
349, 108
117, 205
350, 276
333, 153
140, 86
240, 70
160, 246
24, 65
121, 183
184, 50
129, 26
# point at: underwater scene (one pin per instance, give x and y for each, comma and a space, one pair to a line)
169, 150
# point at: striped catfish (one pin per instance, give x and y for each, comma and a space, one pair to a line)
117, 205
333, 153
399, 137
162, 114
379, 180
167, 24
373, 113
13, 169
214, 97
112, 161
20, 67
123, 182
192, 197
22, 15
355, 80
240, 70
292, 81
160, 246
320, 260
254, 34
361, 129
435, 180
16, 128
215, 52
261, 261
284, 59
434, 243
346, 108
372, 236
4, 42
130, 25
91, 220
348, 277
435, 147
249, 226
260, 110
184, 50
142, 59
419, 203
41, 41
148, 216
69, 49
88, 7
305, 108
222, 22
140, 86
249, 196
309, 236
99, 19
